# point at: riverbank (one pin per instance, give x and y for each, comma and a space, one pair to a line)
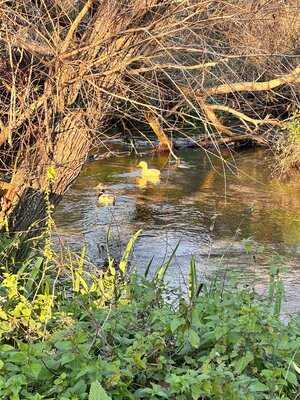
73, 332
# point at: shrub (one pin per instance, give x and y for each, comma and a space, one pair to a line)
69, 334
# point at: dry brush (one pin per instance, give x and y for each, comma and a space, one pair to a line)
67, 66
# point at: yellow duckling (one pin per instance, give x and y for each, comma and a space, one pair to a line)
143, 182
104, 199
151, 175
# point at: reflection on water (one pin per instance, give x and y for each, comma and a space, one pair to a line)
209, 206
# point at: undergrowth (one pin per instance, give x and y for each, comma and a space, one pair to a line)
69, 332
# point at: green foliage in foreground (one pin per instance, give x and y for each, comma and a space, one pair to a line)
71, 335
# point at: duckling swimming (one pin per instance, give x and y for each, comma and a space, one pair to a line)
104, 199
151, 175
143, 182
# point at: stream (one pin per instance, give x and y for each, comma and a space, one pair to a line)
230, 214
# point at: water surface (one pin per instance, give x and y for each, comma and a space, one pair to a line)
231, 216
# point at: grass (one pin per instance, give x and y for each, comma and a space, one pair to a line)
69, 332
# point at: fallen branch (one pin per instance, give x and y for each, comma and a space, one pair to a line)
293, 76
243, 116
213, 119
165, 143
209, 111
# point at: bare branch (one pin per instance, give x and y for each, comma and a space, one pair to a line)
293, 76
75, 25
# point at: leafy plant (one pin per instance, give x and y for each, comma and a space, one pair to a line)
69, 333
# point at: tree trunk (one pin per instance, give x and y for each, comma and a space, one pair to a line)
85, 70
28, 198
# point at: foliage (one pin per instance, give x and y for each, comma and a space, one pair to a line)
72, 334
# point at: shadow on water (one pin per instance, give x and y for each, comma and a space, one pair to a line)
216, 211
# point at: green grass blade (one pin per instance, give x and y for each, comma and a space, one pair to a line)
161, 271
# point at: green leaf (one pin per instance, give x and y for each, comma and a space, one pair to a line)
196, 322
137, 357
6, 347
129, 248
1, 364
161, 271
148, 267
192, 280
16, 381
64, 345
258, 387
18, 357
33, 369
176, 323
67, 358
292, 378
193, 338
34, 273
196, 390
97, 392
297, 368
79, 387
37, 397
242, 363
158, 391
